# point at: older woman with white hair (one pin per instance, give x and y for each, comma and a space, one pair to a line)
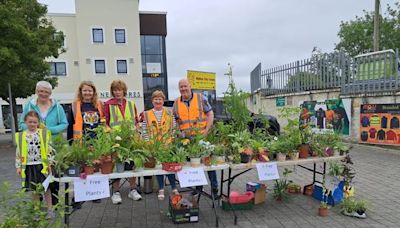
51, 113
52, 117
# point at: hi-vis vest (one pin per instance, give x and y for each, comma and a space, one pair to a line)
78, 125
192, 117
162, 128
45, 137
116, 117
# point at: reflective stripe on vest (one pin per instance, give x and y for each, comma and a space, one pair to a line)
159, 128
77, 128
116, 117
192, 116
44, 135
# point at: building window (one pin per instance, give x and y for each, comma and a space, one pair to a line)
122, 67
97, 35
58, 68
59, 35
120, 36
100, 66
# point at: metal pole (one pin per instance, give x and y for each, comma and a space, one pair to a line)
376, 25
12, 113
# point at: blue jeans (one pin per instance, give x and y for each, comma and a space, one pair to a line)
212, 175
171, 178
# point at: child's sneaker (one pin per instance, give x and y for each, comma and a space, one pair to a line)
116, 198
134, 195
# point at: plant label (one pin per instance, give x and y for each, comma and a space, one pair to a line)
192, 177
267, 171
92, 188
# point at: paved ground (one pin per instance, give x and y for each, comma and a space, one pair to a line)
376, 180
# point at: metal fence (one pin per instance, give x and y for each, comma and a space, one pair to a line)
372, 72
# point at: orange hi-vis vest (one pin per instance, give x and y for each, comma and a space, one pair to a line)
192, 117
159, 129
77, 113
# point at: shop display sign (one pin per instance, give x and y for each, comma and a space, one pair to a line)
379, 124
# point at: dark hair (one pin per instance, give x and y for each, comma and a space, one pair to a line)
32, 114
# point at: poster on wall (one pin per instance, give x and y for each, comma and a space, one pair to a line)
379, 124
205, 83
333, 115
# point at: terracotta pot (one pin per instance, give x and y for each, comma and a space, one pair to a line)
309, 190
106, 166
304, 150
89, 170
150, 163
322, 211
171, 167
207, 161
292, 189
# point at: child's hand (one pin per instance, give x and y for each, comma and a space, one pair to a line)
19, 171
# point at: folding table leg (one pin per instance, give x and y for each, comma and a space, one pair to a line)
66, 212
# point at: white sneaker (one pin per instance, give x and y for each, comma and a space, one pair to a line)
116, 198
134, 195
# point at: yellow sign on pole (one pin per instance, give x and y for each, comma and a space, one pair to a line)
201, 80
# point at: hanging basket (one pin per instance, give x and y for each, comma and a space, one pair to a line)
171, 167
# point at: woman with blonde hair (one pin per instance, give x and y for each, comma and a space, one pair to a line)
85, 113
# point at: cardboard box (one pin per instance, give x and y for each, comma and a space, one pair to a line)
185, 215
259, 195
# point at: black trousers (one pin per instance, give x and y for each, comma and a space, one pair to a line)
54, 188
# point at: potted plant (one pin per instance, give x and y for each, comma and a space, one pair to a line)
323, 209
281, 185
241, 144
348, 206
309, 190
294, 188
91, 158
172, 159
104, 145
219, 154
360, 209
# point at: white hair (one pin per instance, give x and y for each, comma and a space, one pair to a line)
45, 85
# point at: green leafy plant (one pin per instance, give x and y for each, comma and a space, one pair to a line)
219, 150
20, 210
174, 154
349, 205
281, 185
335, 169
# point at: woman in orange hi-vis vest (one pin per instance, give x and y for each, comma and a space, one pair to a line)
159, 124
116, 110
85, 113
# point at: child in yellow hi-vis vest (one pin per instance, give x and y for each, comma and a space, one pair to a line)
32, 157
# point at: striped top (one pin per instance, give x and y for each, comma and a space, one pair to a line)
158, 115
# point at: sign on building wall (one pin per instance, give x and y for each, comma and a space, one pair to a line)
130, 94
280, 101
379, 124
201, 80
153, 68
332, 115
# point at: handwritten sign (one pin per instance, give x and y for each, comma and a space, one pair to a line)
267, 171
91, 188
192, 177
47, 181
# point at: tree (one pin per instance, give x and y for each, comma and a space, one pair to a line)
27, 38
356, 36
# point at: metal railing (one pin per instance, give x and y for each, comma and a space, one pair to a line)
372, 72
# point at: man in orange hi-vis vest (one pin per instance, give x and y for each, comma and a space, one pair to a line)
194, 114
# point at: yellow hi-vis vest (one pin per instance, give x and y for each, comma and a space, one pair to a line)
116, 117
45, 137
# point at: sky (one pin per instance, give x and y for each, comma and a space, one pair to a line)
207, 35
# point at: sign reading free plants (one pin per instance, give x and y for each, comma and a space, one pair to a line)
192, 177
91, 188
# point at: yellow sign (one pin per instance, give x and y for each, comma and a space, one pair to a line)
201, 80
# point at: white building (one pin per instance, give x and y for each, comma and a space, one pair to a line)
103, 43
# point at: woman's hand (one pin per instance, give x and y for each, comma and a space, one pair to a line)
19, 171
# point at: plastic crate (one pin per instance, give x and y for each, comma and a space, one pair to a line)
184, 215
226, 206
334, 198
